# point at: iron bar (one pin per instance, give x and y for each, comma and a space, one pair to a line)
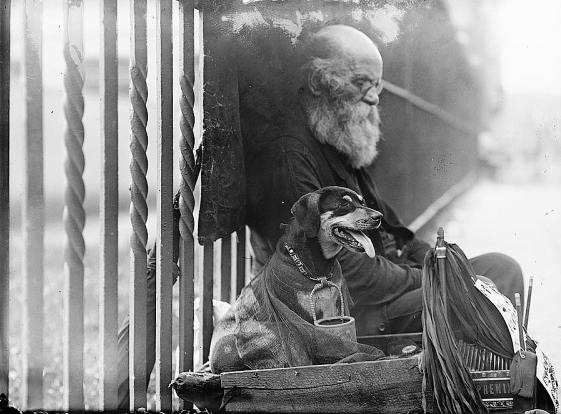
206, 298
240, 261
226, 269
5, 8
108, 208
74, 216
186, 187
33, 209
164, 269
138, 93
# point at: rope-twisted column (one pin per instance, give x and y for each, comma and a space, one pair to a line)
187, 160
139, 236
186, 187
74, 215
138, 208
139, 162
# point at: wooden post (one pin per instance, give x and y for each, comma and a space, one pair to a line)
4, 195
186, 187
108, 209
74, 215
138, 93
164, 269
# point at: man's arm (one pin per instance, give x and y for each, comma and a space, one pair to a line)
374, 281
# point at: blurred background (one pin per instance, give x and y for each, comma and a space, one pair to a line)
494, 65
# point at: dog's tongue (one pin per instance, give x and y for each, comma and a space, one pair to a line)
365, 242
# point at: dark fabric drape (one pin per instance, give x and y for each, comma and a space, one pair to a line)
223, 189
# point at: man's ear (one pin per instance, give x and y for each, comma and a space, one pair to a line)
306, 213
314, 82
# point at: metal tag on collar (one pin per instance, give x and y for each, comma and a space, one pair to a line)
323, 282
297, 261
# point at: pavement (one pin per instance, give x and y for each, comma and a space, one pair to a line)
522, 220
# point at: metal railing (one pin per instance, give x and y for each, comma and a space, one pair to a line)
33, 207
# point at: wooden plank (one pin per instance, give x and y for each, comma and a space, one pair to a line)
226, 269
240, 260
4, 196
187, 186
33, 210
365, 387
206, 298
164, 269
138, 93
74, 215
108, 208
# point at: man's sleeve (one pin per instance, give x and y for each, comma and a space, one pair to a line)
374, 281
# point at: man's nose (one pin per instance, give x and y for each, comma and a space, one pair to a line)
371, 96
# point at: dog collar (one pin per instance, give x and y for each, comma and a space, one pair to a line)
304, 269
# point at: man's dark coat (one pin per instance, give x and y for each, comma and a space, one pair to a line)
291, 163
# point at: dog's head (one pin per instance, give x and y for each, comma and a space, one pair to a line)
337, 217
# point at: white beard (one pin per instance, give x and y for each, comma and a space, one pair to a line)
353, 129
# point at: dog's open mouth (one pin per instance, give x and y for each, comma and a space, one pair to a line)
354, 240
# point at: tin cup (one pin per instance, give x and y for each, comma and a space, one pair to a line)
342, 326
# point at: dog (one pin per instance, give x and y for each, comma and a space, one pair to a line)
271, 325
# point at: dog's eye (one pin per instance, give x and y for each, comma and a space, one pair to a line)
347, 200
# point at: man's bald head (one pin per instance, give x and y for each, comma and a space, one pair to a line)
343, 42
344, 75
343, 59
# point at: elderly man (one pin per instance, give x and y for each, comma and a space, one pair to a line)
326, 135
329, 139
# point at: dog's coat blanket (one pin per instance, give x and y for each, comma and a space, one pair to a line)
274, 330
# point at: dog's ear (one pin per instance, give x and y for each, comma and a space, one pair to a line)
306, 213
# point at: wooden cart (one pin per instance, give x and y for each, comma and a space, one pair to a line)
390, 385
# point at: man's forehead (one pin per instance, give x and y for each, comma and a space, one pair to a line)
367, 66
